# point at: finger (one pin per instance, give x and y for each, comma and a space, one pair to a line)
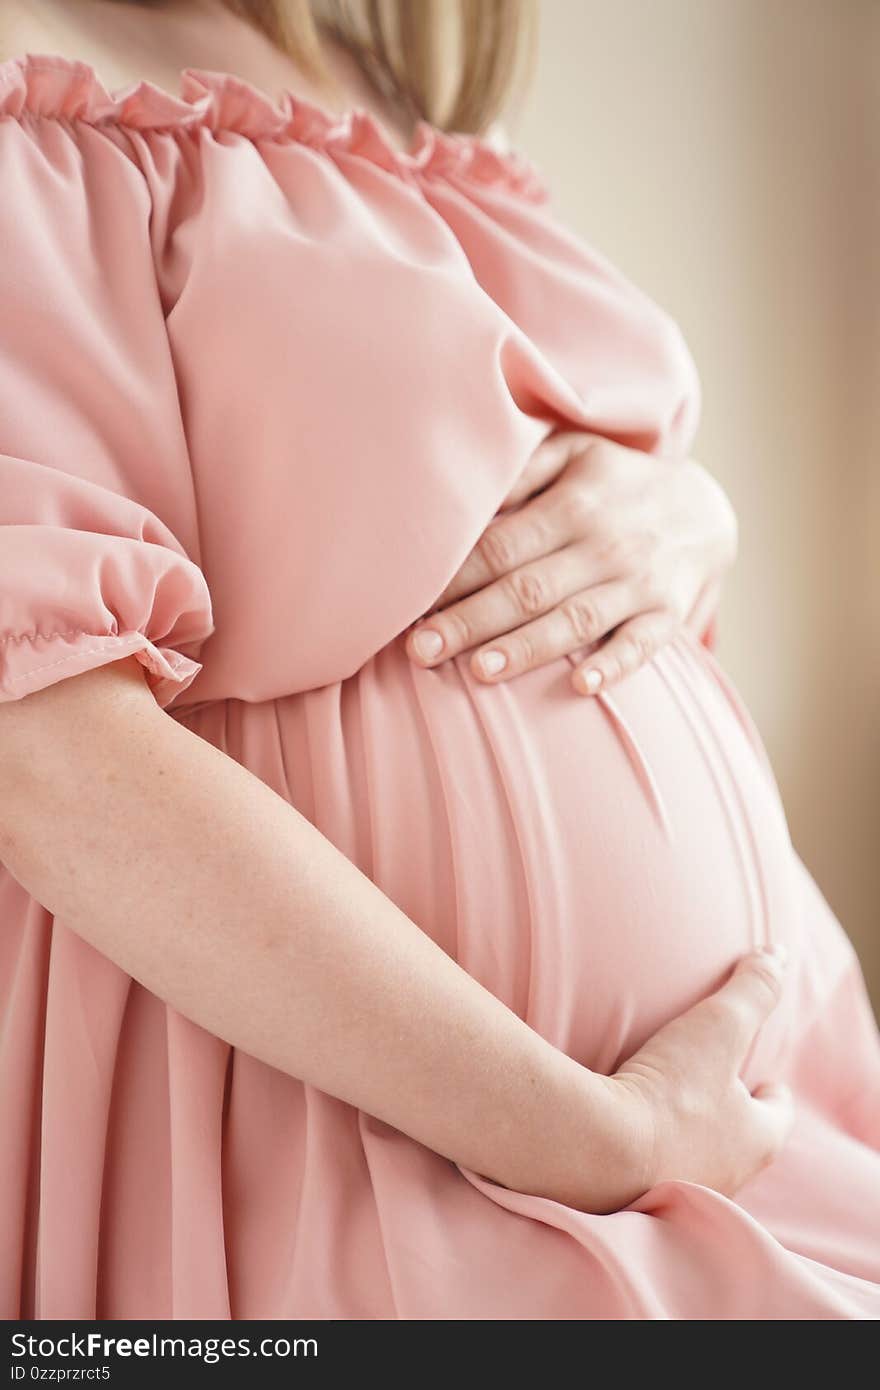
750, 995
546, 463
503, 605
772, 1113
631, 646
507, 543
560, 516
583, 618
544, 524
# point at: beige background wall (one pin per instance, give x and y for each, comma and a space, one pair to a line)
726, 154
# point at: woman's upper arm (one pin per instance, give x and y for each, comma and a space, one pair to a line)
35, 731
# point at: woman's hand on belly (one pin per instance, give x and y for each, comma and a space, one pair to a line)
597, 546
682, 1094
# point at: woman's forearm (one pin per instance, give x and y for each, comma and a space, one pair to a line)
199, 881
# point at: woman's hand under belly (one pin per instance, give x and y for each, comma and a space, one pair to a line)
702, 1123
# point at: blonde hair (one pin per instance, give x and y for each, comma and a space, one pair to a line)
455, 63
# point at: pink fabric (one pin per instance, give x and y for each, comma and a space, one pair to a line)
263, 382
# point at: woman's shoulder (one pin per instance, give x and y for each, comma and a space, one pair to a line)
218, 195
66, 154
71, 149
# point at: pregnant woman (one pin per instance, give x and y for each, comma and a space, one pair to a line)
341, 981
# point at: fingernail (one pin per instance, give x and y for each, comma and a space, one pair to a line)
428, 644
492, 662
590, 681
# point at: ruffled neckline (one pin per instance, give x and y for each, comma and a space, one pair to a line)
52, 86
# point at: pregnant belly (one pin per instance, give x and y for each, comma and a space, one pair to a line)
599, 864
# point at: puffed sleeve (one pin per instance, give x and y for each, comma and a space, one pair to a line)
98, 537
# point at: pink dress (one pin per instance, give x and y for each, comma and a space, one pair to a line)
264, 380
